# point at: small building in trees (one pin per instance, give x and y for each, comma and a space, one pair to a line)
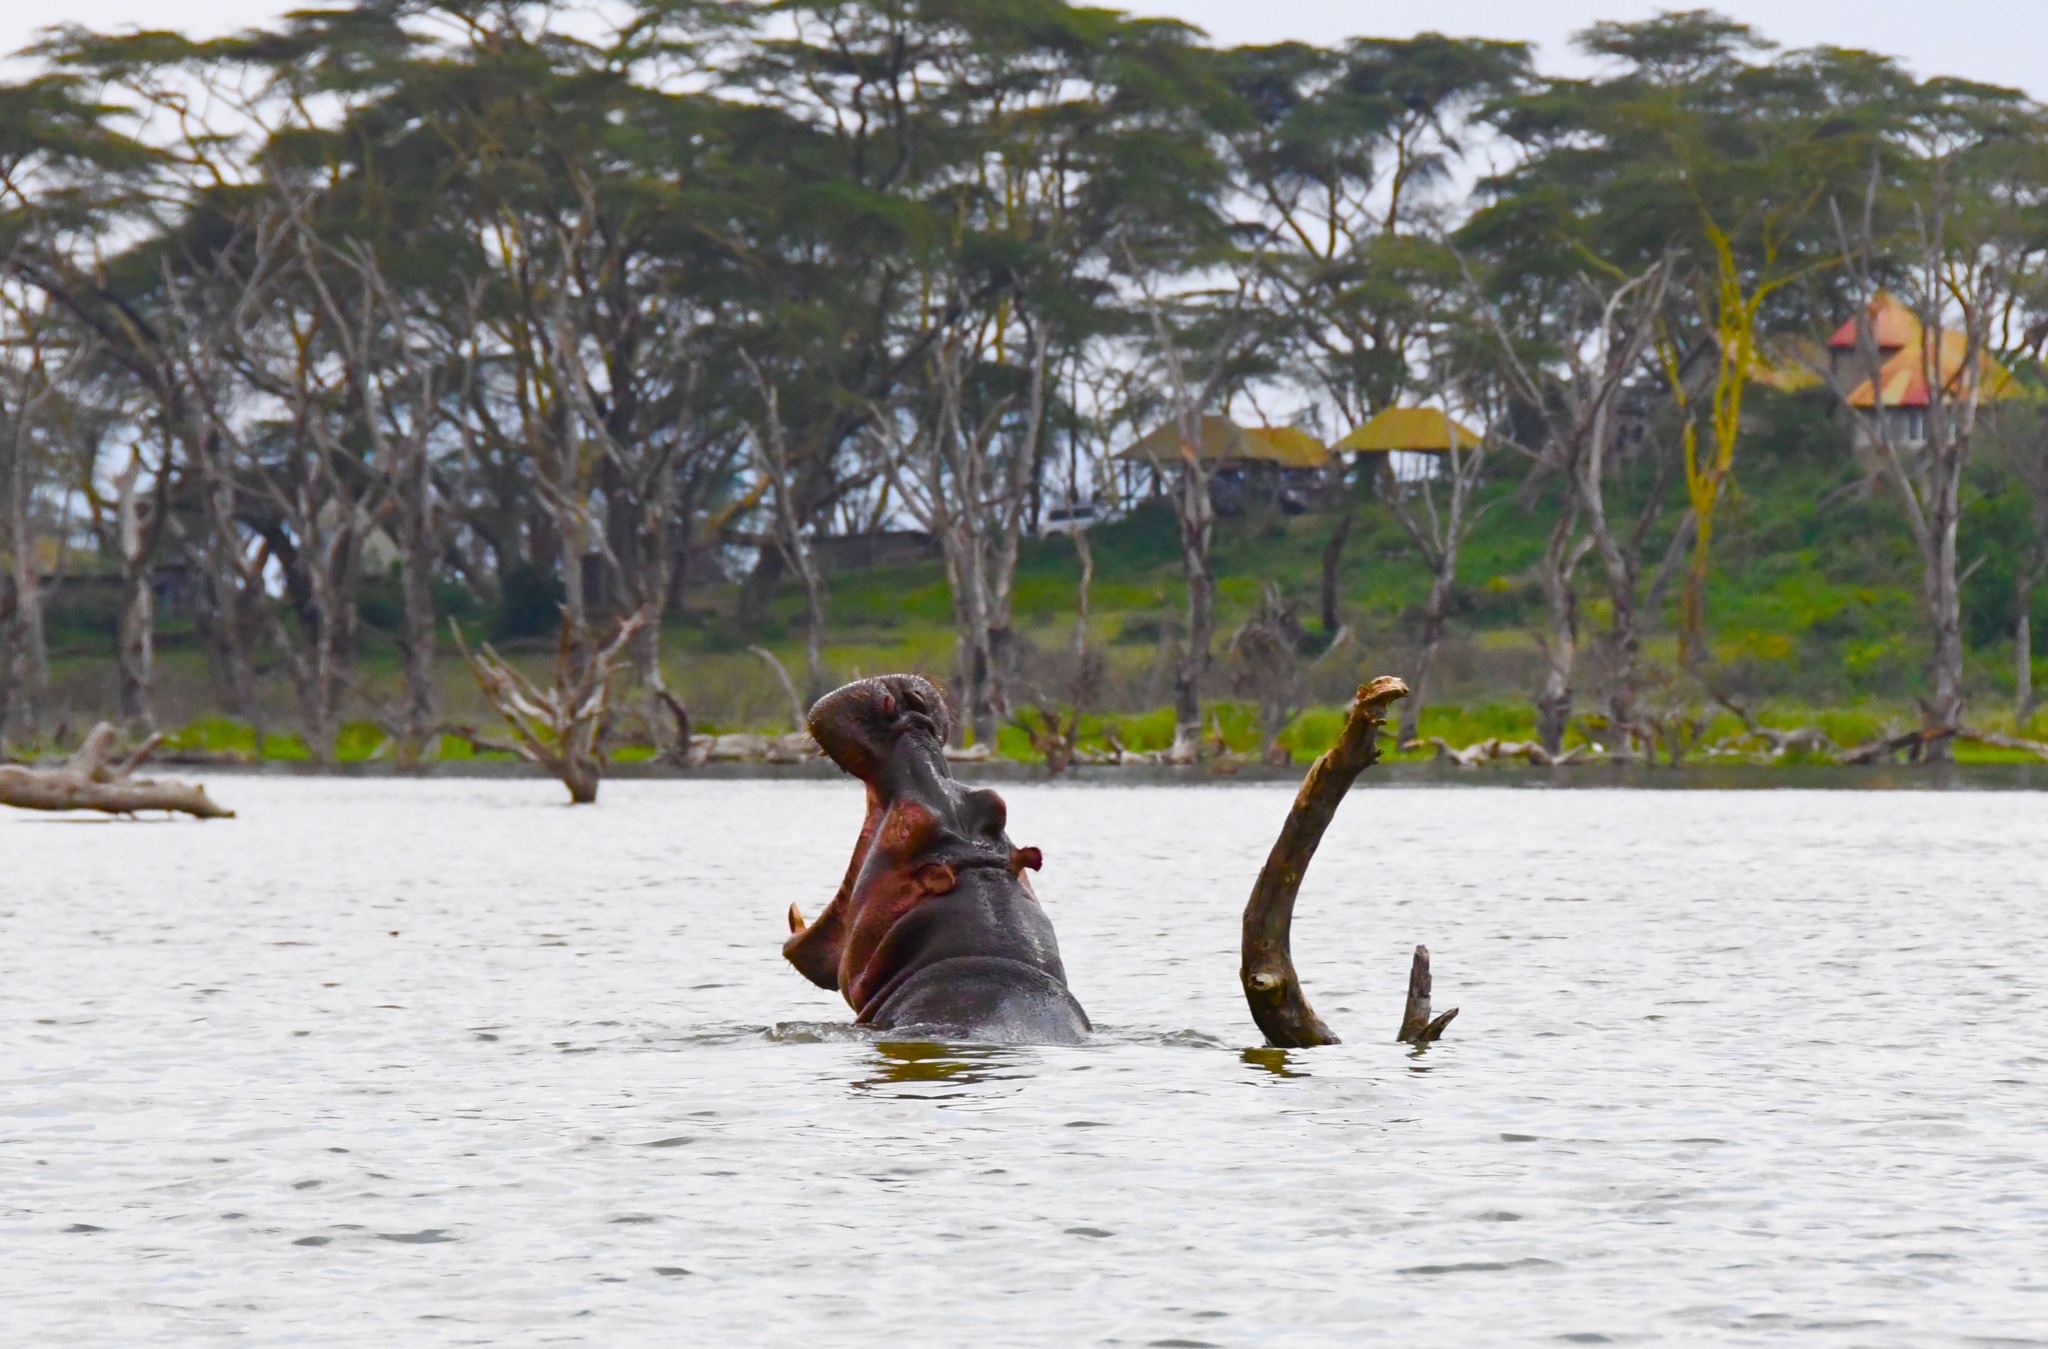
1907, 357
1409, 443
1243, 462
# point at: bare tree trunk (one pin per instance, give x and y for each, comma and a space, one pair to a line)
1082, 592
772, 459
1333, 560
418, 639
1439, 535
24, 651
136, 638
1197, 520
2031, 462
238, 605
1944, 601
2023, 663
1434, 614
814, 626
1561, 639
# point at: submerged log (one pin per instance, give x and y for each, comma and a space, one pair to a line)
1417, 1026
91, 780
1271, 986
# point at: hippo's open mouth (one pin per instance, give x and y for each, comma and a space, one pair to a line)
935, 923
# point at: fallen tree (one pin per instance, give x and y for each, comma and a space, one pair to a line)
1998, 740
1271, 987
1485, 751
92, 780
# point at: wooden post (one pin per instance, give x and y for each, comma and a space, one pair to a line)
1416, 1026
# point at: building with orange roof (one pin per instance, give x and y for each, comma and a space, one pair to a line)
1909, 363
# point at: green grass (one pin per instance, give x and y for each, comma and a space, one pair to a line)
1813, 609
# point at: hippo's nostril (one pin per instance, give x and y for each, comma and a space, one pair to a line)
985, 812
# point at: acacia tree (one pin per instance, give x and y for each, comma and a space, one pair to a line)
1338, 156
1692, 142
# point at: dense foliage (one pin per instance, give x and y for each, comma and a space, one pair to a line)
414, 310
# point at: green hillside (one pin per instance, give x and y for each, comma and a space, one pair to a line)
1814, 611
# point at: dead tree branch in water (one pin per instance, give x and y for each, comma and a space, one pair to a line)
1271, 986
1417, 1026
89, 780
558, 727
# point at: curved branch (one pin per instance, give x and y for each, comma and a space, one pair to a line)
1271, 987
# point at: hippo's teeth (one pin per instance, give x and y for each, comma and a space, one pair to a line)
796, 919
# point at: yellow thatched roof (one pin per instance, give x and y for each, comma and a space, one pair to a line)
1409, 429
44, 556
1224, 441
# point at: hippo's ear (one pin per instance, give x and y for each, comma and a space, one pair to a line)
856, 725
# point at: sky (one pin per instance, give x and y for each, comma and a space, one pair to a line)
1997, 41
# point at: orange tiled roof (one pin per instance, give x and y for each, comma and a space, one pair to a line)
1903, 378
1895, 325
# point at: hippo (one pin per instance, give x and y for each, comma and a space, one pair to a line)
935, 932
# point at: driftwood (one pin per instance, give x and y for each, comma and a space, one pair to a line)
557, 727
1485, 751
92, 780
1998, 740
1417, 1026
1271, 987
1912, 743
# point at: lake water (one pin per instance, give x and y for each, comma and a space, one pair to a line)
447, 1062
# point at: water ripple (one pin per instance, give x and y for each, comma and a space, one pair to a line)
1732, 1068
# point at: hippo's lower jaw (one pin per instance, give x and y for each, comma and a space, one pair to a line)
982, 1000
